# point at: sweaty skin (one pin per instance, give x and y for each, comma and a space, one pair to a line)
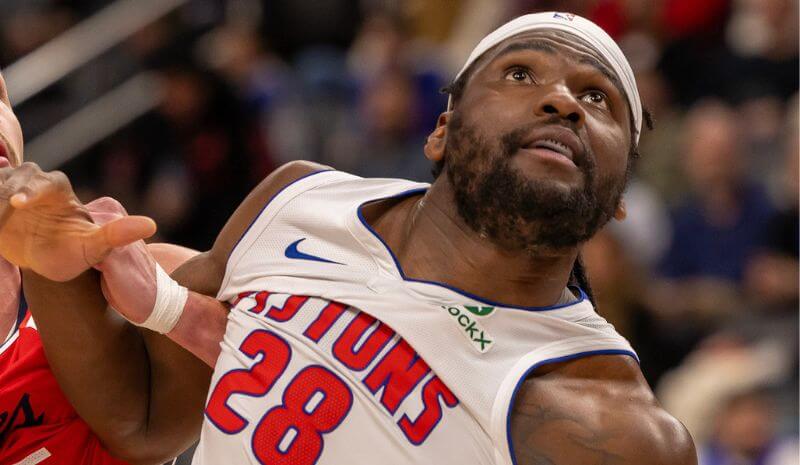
594, 410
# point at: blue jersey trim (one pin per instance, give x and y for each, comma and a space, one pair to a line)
23, 308
22, 311
420, 190
534, 367
267, 205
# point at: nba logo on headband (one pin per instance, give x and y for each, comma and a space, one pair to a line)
567, 16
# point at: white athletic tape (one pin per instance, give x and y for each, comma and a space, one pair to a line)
575, 25
39, 456
170, 299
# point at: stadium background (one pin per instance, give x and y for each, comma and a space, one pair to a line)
179, 107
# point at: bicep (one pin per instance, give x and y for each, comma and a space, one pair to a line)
589, 420
543, 433
563, 436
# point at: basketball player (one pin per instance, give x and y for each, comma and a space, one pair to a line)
37, 422
385, 321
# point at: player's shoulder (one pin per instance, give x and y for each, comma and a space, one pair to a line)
291, 172
592, 409
268, 188
253, 204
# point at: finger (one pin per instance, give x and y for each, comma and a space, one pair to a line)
128, 229
117, 233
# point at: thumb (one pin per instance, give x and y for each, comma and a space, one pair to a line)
126, 230
117, 233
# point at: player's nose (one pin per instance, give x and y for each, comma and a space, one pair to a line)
556, 99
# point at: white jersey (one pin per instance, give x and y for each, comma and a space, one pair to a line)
332, 356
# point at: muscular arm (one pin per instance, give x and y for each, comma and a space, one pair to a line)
141, 393
93, 352
595, 411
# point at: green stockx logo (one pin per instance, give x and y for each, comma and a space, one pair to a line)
470, 328
479, 311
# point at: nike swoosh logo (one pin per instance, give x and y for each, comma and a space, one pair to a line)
293, 252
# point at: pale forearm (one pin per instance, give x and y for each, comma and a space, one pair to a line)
201, 327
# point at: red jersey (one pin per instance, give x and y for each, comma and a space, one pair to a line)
37, 423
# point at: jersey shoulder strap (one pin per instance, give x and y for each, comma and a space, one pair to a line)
313, 209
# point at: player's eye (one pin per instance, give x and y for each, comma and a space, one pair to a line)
518, 74
595, 97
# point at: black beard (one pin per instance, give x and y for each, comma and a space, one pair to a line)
516, 213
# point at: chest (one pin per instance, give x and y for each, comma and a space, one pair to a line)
300, 374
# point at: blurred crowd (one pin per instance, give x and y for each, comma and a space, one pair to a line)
703, 275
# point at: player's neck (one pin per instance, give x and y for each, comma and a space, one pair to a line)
9, 296
433, 243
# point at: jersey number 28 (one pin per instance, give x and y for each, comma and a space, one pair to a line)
315, 402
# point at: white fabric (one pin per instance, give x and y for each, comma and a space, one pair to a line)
36, 457
580, 27
170, 300
322, 211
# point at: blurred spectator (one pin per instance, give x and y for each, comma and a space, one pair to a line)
621, 284
646, 231
659, 166
398, 100
725, 216
379, 45
772, 274
200, 125
189, 163
724, 366
722, 222
610, 270
475, 19
29, 27
763, 37
381, 139
745, 434
267, 87
292, 27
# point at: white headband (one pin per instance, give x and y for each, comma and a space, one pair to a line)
575, 25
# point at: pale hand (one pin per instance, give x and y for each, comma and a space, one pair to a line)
45, 228
128, 277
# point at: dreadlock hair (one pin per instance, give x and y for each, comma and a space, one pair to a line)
578, 276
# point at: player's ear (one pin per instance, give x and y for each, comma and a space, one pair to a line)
621, 212
434, 146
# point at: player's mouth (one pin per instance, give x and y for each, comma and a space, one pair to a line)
555, 144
